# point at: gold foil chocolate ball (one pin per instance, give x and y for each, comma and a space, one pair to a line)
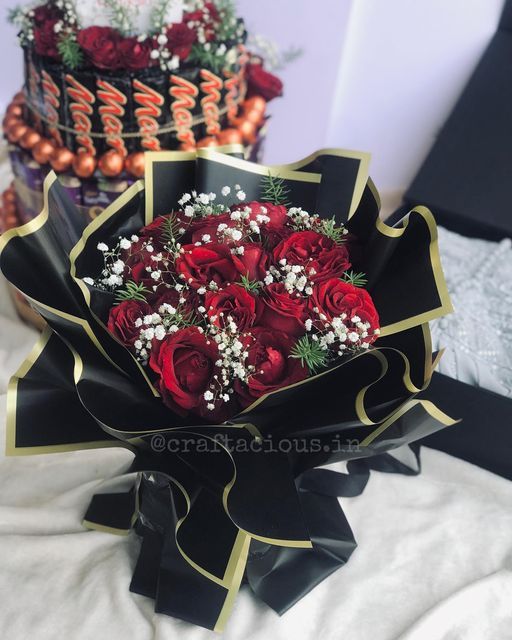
9, 121
253, 115
42, 150
19, 98
209, 141
248, 130
14, 110
135, 163
185, 146
61, 159
256, 103
111, 163
230, 136
84, 164
15, 132
29, 139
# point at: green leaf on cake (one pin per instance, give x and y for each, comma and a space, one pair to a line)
70, 51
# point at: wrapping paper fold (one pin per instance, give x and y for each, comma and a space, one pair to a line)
242, 500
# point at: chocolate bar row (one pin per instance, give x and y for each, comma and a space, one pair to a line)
147, 110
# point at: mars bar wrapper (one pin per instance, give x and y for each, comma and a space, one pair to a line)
80, 114
151, 111
114, 108
53, 103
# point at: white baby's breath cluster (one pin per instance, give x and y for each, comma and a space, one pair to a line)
341, 334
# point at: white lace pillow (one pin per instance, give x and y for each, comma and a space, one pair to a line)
478, 336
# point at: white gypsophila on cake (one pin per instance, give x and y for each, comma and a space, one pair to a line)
141, 12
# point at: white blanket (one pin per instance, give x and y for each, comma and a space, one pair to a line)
434, 559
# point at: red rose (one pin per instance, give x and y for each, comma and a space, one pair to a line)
321, 256
134, 54
45, 39
269, 354
282, 311
155, 231
262, 83
276, 212
121, 320
200, 265
335, 297
175, 299
180, 39
185, 364
101, 44
233, 301
139, 264
253, 262
208, 18
209, 225
276, 228
46, 12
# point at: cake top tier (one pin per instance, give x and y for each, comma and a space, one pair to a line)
132, 34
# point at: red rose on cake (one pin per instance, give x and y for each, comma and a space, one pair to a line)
46, 38
180, 39
102, 46
262, 83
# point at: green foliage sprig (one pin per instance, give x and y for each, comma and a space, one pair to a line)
274, 190
131, 291
70, 51
356, 279
310, 353
332, 230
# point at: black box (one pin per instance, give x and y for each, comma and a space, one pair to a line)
467, 177
466, 181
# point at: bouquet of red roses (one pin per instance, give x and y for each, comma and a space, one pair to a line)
224, 303
235, 326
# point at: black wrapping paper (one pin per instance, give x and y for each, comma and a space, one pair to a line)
219, 503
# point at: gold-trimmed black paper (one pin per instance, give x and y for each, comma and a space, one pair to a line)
269, 514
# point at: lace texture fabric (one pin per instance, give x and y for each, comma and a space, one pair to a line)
478, 336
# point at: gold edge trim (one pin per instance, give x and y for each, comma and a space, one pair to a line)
435, 261
12, 390
427, 405
359, 403
238, 560
327, 151
375, 193
95, 526
249, 167
91, 228
155, 157
33, 225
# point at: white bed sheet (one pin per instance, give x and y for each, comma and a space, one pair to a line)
434, 559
